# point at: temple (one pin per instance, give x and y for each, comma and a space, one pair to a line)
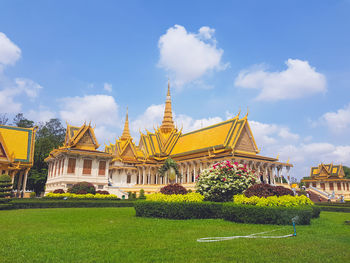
78, 160
135, 167
328, 181
17, 154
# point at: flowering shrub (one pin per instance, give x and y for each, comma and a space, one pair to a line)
80, 196
159, 197
221, 181
79, 188
173, 189
273, 201
59, 191
102, 192
265, 190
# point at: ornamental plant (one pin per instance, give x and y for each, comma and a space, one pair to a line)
59, 191
5, 187
173, 189
221, 181
82, 188
273, 201
80, 196
190, 197
171, 169
265, 190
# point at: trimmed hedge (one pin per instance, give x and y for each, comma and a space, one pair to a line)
227, 211
333, 204
266, 215
42, 203
178, 210
344, 209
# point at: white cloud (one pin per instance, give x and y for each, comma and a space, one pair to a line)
188, 56
297, 81
337, 122
41, 115
29, 87
9, 52
107, 87
7, 103
104, 135
99, 109
303, 154
152, 117
189, 124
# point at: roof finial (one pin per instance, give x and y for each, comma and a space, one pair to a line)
247, 112
168, 123
126, 132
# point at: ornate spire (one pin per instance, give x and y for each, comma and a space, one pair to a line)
168, 123
126, 132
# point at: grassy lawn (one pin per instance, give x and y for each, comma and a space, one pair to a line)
116, 235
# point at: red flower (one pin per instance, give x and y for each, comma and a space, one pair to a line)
224, 179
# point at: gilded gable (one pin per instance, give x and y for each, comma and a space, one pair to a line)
245, 142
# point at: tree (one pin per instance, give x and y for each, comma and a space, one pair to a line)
20, 121
3, 119
346, 171
170, 169
48, 137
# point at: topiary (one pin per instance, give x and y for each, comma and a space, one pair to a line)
87, 187
59, 191
142, 194
173, 189
81, 192
221, 181
5, 186
265, 190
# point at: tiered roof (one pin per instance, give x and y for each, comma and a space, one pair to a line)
231, 137
327, 171
17, 145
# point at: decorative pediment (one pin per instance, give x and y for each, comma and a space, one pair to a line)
245, 141
3, 149
83, 137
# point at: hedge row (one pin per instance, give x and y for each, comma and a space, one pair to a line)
347, 204
344, 209
178, 210
227, 211
24, 204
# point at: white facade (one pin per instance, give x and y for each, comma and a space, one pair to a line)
61, 175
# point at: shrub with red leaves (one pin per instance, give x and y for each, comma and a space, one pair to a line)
81, 192
102, 192
173, 189
87, 187
59, 191
265, 190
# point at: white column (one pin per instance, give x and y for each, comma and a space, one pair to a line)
273, 174
287, 174
188, 172
25, 181
143, 175
149, 175
194, 172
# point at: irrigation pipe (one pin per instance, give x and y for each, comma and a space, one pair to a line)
256, 235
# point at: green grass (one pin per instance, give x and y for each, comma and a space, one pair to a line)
116, 235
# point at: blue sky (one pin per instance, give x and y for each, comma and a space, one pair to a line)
288, 61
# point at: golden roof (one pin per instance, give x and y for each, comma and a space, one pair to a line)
327, 171
17, 144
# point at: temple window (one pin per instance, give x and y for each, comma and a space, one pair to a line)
102, 168
71, 165
100, 186
331, 186
128, 179
87, 166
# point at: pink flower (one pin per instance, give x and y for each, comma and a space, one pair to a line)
224, 179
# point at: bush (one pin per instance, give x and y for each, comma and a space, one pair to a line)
5, 186
178, 210
32, 195
102, 192
285, 201
252, 214
80, 196
81, 187
59, 191
191, 197
265, 190
173, 189
142, 194
45, 203
221, 181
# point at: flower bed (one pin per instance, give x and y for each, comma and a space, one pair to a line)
273, 201
80, 196
190, 197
